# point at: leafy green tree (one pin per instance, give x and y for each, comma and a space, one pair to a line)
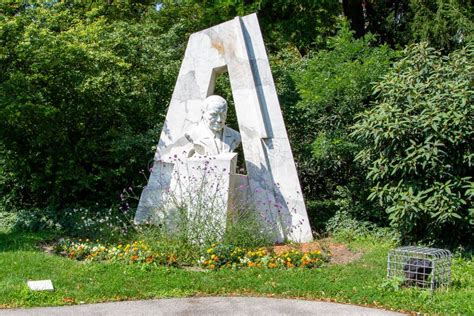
390, 20
300, 24
83, 89
335, 85
418, 144
445, 24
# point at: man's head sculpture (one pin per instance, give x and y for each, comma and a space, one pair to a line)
214, 112
211, 136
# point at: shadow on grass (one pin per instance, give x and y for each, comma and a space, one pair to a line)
21, 240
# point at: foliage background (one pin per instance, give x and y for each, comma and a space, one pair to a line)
84, 88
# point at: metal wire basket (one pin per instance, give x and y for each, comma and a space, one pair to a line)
428, 268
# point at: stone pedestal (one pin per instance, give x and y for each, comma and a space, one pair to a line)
197, 197
154, 196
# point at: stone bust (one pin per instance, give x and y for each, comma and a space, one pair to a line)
211, 136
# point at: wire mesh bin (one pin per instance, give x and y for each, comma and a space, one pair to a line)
428, 268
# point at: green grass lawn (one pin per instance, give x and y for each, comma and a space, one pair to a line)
361, 282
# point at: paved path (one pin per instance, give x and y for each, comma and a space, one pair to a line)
205, 306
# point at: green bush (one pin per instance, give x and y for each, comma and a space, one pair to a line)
243, 229
334, 85
343, 226
418, 144
83, 89
36, 219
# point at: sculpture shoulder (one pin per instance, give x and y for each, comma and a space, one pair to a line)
232, 133
232, 138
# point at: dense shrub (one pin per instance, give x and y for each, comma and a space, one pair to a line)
83, 89
335, 85
419, 144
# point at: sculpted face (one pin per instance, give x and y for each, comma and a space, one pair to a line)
215, 113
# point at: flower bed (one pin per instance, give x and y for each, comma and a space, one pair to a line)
218, 256
135, 252
226, 256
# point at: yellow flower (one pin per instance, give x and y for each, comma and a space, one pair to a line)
172, 259
209, 250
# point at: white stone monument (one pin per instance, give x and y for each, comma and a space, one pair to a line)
194, 129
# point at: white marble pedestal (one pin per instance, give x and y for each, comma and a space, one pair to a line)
198, 196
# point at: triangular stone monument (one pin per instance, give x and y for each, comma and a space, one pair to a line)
237, 47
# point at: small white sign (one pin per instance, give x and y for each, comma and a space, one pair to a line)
41, 285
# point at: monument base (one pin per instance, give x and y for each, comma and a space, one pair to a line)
197, 198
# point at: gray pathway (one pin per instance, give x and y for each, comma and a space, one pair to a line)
205, 306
